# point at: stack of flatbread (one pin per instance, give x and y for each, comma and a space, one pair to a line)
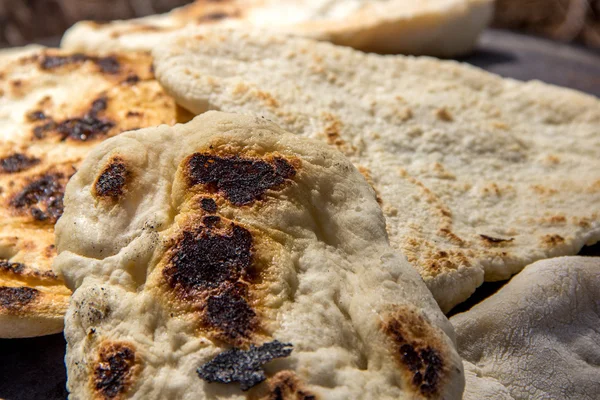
433, 27
477, 176
304, 241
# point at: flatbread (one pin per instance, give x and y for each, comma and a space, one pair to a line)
54, 106
200, 252
433, 27
480, 387
538, 336
478, 176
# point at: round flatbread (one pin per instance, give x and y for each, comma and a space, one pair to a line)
228, 259
538, 336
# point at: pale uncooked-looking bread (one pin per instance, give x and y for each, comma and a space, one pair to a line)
54, 106
432, 27
478, 176
538, 336
183, 243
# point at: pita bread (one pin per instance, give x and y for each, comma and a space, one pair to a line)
433, 27
234, 244
538, 336
478, 176
54, 106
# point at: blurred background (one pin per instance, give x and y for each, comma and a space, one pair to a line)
24, 21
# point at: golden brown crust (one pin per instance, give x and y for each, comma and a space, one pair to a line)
284, 385
115, 370
418, 349
112, 181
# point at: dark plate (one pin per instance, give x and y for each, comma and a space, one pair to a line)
526, 57
32, 369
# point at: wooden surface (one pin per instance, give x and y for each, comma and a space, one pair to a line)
32, 369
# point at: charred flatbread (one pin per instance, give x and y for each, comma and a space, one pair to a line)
54, 107
240, 262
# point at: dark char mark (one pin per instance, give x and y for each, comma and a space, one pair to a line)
109, 65
285, 385
245, 367
208, 205
211, 267
16, 268
46, 191
230, 313
424, 362
36, 116
13, 298
112, 179
240, 180
81, 129
205, 259
17, 162
427, 359
495, 240
113, 371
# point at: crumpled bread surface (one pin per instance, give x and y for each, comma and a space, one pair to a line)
537, 336
432, 27
181, 242
54, 106
478, 176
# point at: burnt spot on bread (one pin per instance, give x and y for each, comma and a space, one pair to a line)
208, 205
51, 62
36, 116
243, 366
21, 270
108, 65
42, 198
15, 268
112, 180
211, 267
211, 220
418, 349
229, 312
285, 385
39, 132
17, 162
132, 114
240, 180
15, 298
131, 79
205, 259
494, 240
114, 372
89, 126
